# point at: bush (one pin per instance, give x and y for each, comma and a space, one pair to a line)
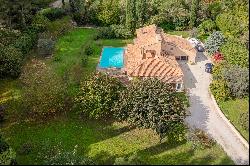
238, 87
45, 46
3, 145
121, 32
152, 104
8, 36
244, 120
220, 90
97, 95
10, 62
200, 139
24, 43
43, 90
53, 13
40, 22
7, 155
214, 41
59, 27
235, 53
105, 33
89, 50
25, 149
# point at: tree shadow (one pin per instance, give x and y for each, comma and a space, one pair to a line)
189, 79
200, 57
199, 113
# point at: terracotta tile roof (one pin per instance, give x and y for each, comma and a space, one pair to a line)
151, 56
162, 68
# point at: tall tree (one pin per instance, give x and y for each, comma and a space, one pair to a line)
141, 6
130, 14
194, 12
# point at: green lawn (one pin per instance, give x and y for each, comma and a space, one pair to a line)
184, 34
232, 110
102, 141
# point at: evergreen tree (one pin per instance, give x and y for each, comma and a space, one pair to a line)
140, 12
193, 14
130, 14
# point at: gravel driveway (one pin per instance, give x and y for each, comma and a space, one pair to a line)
203, 114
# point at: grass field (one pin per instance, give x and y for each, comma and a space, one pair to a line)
232, 110
184, 34
102, 141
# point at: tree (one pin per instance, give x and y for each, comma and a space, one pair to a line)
130, 15
214, 41
43, 91
238, 87
235, 53
206, 27
141, 6
193, 14
97, 95
153, 104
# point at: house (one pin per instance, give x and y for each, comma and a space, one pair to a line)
155, 54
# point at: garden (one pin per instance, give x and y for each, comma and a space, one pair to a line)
55, 109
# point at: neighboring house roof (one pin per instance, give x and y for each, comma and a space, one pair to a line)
151, 55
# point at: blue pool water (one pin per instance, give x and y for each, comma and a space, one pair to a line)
112, 57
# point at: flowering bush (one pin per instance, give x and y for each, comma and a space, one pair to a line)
217, 57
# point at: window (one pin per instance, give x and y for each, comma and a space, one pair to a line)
177, 58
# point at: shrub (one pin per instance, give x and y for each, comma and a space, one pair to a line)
7, 155
3, 145
89, 50
220, 90
214, 41
25, 148
97, 95
153, 104
121, 32
235, 53
43, 90
60, 27
53, 13
105, 33
238, 87
10, 62
45, 46
8, 36
40, 22
200, 139
24, 43
244, 120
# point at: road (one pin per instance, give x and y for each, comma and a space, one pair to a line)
203, 111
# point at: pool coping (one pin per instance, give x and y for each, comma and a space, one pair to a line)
101, 68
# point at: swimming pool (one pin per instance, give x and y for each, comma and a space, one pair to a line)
112, 57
